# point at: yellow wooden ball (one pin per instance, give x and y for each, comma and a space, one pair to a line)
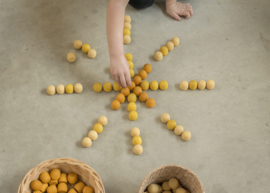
86, 48
126, 39
126, 31
170, 45
184, 85
143, 74
137, 149
133, 115
103, 120
186, 136
127, 25
210, 84
148, 68
173, 183
192, 85
115, 105
158, 56
97, 87
175, 41
129, 56
92, 53
93, 135
107, 87
69, 88
154, 85
135, 131
165, 117
163, 85
86, 142
51, 90
78, 88
132, 106
145, 85
137, 140
132, 98
179, 129
116, 86
143, 96
71, 57
164, 50
171, 124
127, 18
60, 89
201, 84
98, 127
181, 190
78, 44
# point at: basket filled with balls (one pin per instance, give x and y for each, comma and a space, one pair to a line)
61, 175
171, 179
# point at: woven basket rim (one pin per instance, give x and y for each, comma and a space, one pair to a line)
170, 165
60, 160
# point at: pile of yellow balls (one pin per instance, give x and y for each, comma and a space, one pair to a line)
178, 129
85, 48
170, 186
93, 134
165, 49
136, 140
193, 85
126, 31
61, 89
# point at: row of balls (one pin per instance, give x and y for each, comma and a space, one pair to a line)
136, 140
93, 134
178, 129
193, 84
171, 186
127, 28
165, 49
61, 89
85, 48
56, 182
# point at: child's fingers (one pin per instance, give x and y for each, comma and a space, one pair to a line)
188, 15
116, 78
123, 81
128, 79
175, 16
189, 8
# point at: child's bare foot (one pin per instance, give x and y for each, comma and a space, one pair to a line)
176, 9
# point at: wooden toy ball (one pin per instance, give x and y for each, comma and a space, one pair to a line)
103, 120
135, 131
129, 56
98, 127
150, 103
86, 142
184, 85
153, 188
60, 89
148, 68
92, 53
116, 86
127, 18
179, 129
186, 136
126, 31
210, 84
171, 124
132, 106
143, 74
173, 183
120, 97
170, 45
36, 185
126, 39
115, 105
133, 115
78, 88
78, 44
69, 88
137, 90
97, 87
107, 87
137, 140
192, 85
201, 84
163, 85
71, 57
127, 25
125, 91
175, 41
181, 190
137, 80
165, 186
137, 149
86, 48
132, 98
164, 50
51, 90
154, 85
158, 56
145, 85
93, 135
132, 73
143, 96
165, 117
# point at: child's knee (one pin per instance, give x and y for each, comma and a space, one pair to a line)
141, 4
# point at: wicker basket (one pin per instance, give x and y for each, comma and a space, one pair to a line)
187, 178
67, 165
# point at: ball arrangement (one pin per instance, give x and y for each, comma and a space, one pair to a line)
193, 85
61, 89
126, 31
164, 50
136, 141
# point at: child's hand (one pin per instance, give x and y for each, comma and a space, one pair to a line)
120, 71
176, 9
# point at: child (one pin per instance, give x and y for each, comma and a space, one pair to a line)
115, 24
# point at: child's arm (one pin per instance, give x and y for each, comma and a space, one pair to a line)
176, 9
115, 24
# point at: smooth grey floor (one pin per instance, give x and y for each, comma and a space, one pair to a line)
227, 41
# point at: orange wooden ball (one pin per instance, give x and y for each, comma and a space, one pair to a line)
143, 74
150, 103
137, 80
132, 86
143, 96
115, 105
147, 67
125, 91
121, 98
137, 90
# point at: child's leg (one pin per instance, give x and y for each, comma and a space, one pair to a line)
141, 4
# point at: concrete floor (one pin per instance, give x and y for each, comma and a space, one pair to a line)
227, 41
